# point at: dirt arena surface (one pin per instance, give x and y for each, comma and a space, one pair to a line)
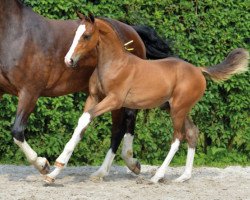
24, 183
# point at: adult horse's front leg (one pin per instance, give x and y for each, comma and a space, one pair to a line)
26, 104
123, 122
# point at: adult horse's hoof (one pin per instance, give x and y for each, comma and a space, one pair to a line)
49, 180
43, 166
137, 168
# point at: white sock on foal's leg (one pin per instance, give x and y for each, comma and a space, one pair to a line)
105, 167
162, 170
83, 121
189, 166
63, 159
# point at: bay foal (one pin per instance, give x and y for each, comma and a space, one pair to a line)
124, 80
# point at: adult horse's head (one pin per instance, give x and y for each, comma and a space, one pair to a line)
85, 40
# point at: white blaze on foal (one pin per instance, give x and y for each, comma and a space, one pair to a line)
63, 159
79, 32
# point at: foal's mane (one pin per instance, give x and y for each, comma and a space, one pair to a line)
114, 26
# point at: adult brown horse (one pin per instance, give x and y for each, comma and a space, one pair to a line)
124, 80
32, 51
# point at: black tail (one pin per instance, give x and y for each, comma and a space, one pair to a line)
156, 47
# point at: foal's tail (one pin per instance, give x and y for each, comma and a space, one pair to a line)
156, 47
235, 63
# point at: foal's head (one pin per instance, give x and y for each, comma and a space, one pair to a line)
85, 40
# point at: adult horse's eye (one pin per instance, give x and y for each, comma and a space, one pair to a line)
86, 37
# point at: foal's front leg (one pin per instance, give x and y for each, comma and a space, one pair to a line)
91, 111
64, 157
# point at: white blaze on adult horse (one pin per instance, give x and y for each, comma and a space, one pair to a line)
124, 80
32, 65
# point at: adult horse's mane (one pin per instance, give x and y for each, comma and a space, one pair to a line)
21, 3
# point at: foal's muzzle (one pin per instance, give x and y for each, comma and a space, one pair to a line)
70, 62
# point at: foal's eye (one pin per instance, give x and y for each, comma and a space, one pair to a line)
86, 37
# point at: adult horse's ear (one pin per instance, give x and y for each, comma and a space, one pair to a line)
80, 15
91, 17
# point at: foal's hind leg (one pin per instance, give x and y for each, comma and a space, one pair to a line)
191, 132
92, 109
123, 122
178, 116
118, 130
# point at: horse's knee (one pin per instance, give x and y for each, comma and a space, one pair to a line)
192, 133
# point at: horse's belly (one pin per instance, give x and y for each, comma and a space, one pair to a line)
146, 99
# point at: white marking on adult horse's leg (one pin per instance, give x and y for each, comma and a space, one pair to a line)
162, 170
105, 167
79, 32
189, 166
40, 163
63, 159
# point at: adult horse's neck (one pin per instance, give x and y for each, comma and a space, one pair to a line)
110, 46
9, 8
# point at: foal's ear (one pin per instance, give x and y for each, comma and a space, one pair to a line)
91, 17
80, 15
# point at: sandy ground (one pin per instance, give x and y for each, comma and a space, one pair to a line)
24, 183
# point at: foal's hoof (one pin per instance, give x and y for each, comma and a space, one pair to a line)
49, 180
137, 168
155, 179
182, 178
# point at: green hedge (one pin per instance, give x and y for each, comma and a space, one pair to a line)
203, 32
